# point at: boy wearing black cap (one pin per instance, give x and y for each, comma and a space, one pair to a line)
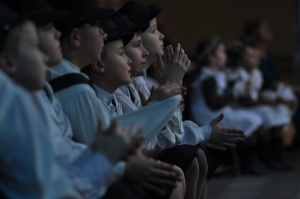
80, 46
153, 42
107, 76
29, 170
112, 71
75, 155
81, 43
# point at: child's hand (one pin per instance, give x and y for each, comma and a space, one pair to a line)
150, 173
173, 65
116, 142
161, 93
215, 147
223, 136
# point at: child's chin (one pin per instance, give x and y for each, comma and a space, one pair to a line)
127, 81
161, 52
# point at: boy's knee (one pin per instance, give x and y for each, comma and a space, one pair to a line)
202, 162
193, 168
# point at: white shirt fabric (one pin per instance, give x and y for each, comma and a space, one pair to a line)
130, 91
272, 116
95, 167
107, 100
83, 108
151, 118
28, 165
80, 104
202, 114
176, 131
124, 97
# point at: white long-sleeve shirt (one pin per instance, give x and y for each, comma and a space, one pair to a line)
94, 167
130, 91
151, 118
84, 109
28, 165
80, 104
177, 131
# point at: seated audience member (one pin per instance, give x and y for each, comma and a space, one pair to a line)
211, 95
25, 64
261, 31
248, 84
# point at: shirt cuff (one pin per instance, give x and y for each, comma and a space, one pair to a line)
206, 131
119, 170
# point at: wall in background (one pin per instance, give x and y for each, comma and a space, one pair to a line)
191, 20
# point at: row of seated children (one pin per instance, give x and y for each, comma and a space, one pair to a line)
53, 145
236, 90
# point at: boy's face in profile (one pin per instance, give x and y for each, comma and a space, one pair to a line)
49, 43
153, 41
116, 64
137, 53
27, 59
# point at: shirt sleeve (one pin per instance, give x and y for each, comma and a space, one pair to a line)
84, 111
92, 174
193, 134
30, 169
173, 133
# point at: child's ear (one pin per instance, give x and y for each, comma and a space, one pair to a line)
7, 64
73, 38
98, 67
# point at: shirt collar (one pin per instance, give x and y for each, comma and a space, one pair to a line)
63, 68
104, 96
138, 80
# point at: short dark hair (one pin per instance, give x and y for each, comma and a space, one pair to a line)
234, 53
205, 48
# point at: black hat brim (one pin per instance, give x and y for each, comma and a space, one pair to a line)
124, 36
152, 14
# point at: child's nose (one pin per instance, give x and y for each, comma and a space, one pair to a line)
146, 53
129, 61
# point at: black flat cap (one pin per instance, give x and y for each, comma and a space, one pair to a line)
81, 12
137, 13
113, 32
8, 20
42, 12
125, 25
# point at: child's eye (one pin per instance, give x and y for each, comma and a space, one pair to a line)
154, 30
122, 53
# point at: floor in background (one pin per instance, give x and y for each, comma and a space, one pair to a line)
278, 185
